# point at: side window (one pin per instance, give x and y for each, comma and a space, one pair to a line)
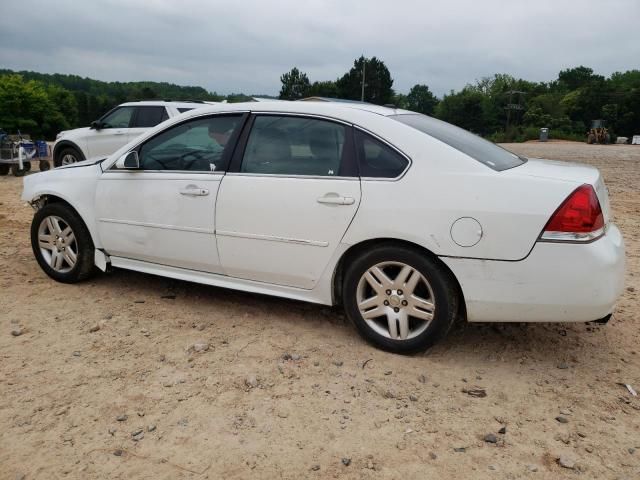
198, 145
118, 118
147, 117
182, 110
284, 145
376, 159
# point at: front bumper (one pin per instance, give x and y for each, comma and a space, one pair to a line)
557, 282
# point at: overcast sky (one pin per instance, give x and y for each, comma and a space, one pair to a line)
245, 45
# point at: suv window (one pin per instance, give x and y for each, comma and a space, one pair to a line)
288, 145
197, 145
183, 109
118, 118
376, 159
147, 117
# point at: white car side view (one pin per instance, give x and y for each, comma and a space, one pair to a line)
115, 129
406, 221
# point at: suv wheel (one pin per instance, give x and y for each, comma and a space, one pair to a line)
400, 299
67, 156
62, 243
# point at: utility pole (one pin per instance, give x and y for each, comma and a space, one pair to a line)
513, 106
364, 63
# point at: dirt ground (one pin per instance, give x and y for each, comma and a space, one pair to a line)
288, 390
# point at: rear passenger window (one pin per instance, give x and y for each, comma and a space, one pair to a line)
147, 117
284, 145
182, 110
376, 159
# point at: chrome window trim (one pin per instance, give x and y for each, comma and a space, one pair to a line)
166, 172
304, 115
284, 175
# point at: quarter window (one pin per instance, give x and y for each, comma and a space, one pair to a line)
284, 145
376, 159
198, 145
118, 118
147, 117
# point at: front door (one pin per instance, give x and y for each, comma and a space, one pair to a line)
164, 212
112, 134
282, 213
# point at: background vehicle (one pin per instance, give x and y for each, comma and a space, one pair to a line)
405, 220
115, 129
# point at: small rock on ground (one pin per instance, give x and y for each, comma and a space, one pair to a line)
16, 332
566, 462
490, 438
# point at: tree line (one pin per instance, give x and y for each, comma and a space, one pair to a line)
44, 104
500, 107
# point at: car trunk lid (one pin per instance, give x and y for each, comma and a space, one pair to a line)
576, 173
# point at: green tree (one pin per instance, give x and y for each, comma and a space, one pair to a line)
378, 81
463, 109
327, 89
574, 78
295, 85
25, 106
420, 99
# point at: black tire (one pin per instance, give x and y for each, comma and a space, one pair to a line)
84, 265
44, 165
57, 162
20, 172
4, 169
443, 287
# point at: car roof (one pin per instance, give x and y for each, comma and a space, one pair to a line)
176, 103
338, 109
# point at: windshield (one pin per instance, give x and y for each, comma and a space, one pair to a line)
475, 146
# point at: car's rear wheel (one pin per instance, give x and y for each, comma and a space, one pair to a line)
399, 298
62, 243
67, 156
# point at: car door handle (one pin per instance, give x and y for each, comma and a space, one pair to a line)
194, 191
119, 133
336, 200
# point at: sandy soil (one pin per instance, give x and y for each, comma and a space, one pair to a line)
288, 390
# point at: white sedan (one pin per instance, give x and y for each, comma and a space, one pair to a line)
406, 221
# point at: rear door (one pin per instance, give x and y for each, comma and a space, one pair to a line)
144, 118
286, 203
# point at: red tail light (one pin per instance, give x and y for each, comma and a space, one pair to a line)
579, 218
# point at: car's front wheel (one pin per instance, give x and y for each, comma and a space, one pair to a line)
399, 298
67, 156
62, 243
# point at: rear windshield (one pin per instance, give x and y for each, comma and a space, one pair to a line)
476, 147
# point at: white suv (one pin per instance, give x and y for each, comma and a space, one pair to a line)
115, 129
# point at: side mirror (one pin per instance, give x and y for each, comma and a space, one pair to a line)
96, 125
129, 161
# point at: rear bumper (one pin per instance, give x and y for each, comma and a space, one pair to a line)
557, 282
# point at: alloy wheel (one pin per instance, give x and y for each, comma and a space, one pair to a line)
68, 159
395, 300
58, 245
